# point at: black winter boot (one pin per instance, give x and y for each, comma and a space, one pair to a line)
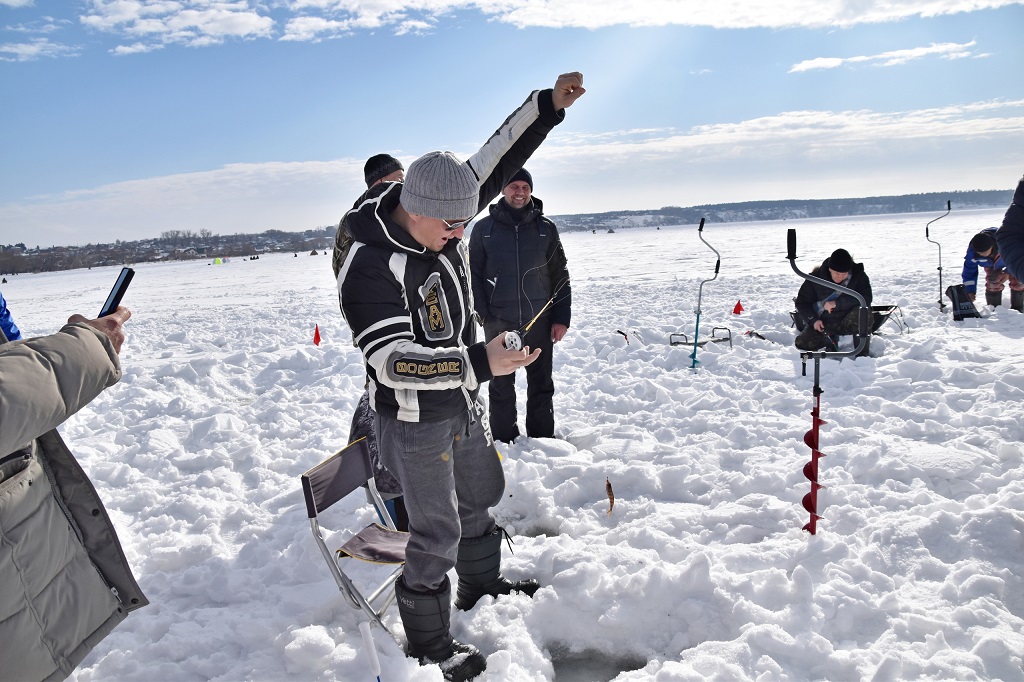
1017, 300
426, 617
479, 568
994, 298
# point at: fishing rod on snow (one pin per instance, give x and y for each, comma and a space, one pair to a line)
810, 500
949, 207
700, 292
514, 339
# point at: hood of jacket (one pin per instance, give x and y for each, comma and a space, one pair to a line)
370, 222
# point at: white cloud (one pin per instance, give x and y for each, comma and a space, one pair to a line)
892, 58
796, 154
16, 3
314, 29
196, 23
35, 49
200, 22
134, 48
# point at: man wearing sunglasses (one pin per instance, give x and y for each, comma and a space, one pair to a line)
404, 289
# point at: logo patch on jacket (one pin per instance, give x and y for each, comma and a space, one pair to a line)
435, 318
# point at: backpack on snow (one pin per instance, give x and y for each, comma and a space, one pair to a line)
963, 306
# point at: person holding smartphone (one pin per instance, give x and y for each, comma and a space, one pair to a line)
65, 577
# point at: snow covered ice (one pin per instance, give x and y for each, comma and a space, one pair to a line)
701, 571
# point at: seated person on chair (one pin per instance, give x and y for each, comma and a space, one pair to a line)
822, 314
983, 251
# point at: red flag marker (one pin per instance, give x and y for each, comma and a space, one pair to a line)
316, 335
738, 309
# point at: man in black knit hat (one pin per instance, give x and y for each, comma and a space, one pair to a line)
823, 314
382, 168
518, 266
983, 252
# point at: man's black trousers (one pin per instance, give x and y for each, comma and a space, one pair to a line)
540, 388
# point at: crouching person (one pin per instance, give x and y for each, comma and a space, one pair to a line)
405, 292
66, 581
824, 314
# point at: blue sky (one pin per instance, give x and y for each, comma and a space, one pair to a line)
121, 119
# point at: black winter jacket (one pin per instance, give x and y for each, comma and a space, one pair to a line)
409, 308
811, 294
1011, 234
517, 266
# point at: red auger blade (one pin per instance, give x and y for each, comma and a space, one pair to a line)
809, 504
811, 471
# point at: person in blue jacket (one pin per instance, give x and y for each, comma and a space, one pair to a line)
983, 251
1010, 235
7, 326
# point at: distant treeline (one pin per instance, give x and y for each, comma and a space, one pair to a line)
170, 245
787, 209
186, 244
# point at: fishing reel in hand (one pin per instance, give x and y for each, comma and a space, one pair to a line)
513, 341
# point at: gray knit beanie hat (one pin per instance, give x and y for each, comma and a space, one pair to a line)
438, 185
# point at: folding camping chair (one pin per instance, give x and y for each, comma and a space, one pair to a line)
880, 314
331, 481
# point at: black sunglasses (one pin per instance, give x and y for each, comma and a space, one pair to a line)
451, 226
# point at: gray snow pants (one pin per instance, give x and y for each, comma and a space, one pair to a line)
451, 478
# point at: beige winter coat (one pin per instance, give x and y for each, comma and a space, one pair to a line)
64, 580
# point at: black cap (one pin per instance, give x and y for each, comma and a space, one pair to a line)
840, 261
379, 166
522, 175
983, 241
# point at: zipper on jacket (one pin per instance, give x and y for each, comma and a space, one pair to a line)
519, 278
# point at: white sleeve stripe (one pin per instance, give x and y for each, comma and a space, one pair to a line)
402, 320
486, 159
372, 348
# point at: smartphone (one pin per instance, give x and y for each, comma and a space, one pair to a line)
117, 293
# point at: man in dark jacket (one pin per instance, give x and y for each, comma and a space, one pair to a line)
404, 291
518, 266
983, 252
1010, 235
823, 313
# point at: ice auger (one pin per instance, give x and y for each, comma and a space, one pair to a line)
949, 207
811, 438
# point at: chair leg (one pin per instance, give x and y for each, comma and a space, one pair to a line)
865, 351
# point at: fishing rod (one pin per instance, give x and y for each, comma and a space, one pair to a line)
949, 206
514, 339
700, 292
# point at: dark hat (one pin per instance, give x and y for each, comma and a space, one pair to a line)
522, 175
840, 261
379, 166
983, 241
